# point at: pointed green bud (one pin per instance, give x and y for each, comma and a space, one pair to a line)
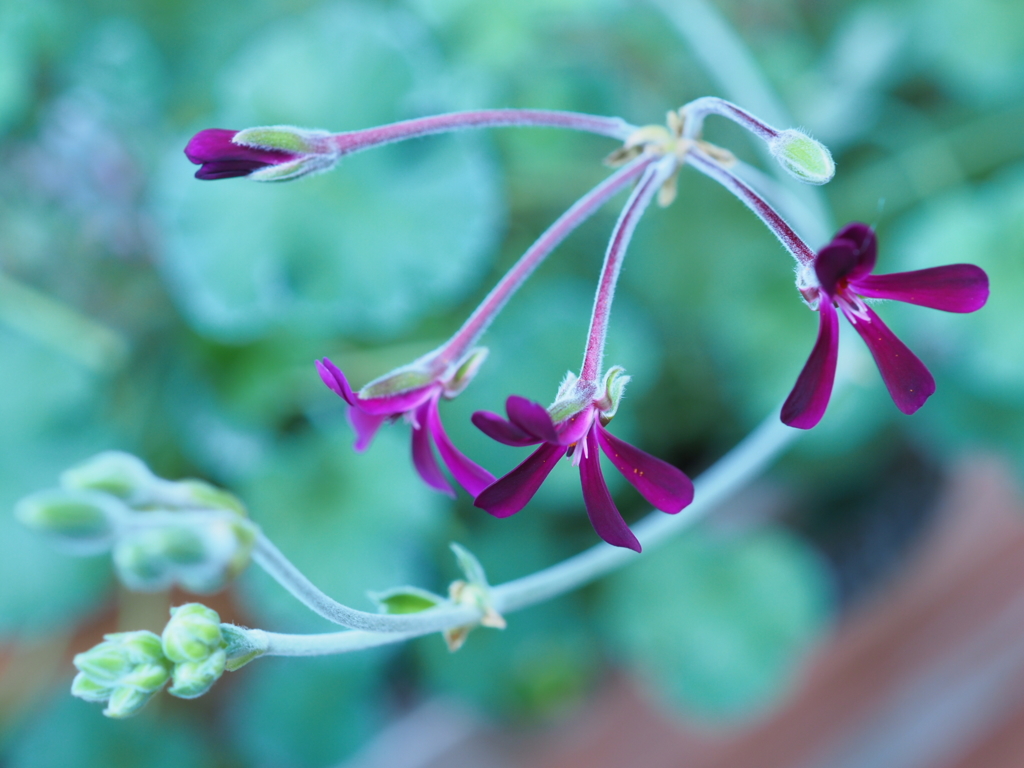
126, 670
194, 678
192, 634
406, 600
803, 157
83, 521
115, 472
615, 382
465, 371
469, 565
125, 702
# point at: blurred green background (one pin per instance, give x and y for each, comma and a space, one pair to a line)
143, 310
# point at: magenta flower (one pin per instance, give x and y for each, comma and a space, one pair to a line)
419, 407
580, 435
843, 275
220, 158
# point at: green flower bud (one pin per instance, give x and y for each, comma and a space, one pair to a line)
126, 670
194, 678
197, 494
803, 157
192, 634
115, 472
84, 521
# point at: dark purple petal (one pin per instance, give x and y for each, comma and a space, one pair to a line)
531, 417
403, 402
865, 245
509, 494
576, 427
663, 485
833, 263
423, 454
496, 428
221, 158
601, 510
365, 426
335, 379
953, 288
807, 402
906, 377
468, 474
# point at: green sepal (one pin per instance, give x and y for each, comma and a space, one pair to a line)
615, 382
465, 371
285, 138
125, 702
240, 646
405, 600
401, 380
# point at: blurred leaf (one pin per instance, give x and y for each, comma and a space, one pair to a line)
305, 713
73, 732
719, 625
366, 249
48, 412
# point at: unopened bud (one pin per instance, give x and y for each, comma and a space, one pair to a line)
194, 678
126, 671
803, 157
192, 634
314, 149
83, 521
115, 472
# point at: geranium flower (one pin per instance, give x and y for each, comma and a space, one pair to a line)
580, 435
417, 403
842, 278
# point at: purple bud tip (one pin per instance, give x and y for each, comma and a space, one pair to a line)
220, 158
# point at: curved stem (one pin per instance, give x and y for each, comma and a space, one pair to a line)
653, 178
790, 240
356, 141
281, 569
495, 301
698, 109
727, 476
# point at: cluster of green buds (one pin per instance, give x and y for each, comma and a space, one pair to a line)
161, 532
128, 669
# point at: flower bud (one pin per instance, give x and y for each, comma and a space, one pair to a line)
803, 157
126, 671
313, 151
83, 521
192, 634
115, 472
242, 645
194, 678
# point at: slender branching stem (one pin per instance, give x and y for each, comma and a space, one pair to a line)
650, 182
495, 301
698, 109
790, 240
730, 474
355, 141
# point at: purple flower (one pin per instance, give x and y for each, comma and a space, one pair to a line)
419, 407
579, 435
221, 158
842, 278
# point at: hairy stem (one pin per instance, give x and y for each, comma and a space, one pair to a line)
355, 141
790, 240
495, 301
653, 178
698, 109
